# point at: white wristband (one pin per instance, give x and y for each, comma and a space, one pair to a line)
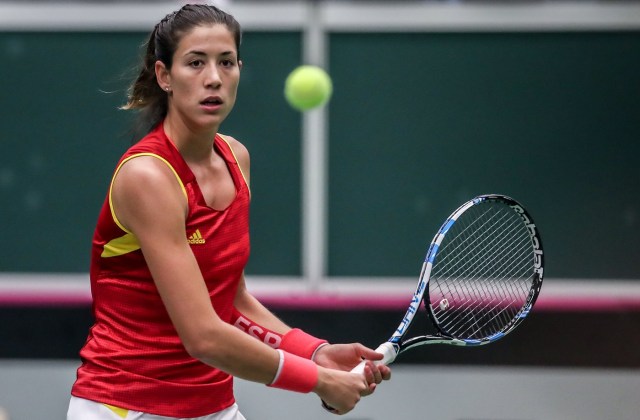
280, 364
313, 356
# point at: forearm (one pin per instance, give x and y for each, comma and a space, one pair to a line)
241, 356
236, 353
252, 318
251, 308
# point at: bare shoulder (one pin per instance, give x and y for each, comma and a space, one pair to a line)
145, 171
238, 148
146, 189
241, 153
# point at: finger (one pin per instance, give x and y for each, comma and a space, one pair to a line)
368, 389
369, 374
385, 371
367, 353
375, 374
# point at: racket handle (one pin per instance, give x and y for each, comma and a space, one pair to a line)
389, 355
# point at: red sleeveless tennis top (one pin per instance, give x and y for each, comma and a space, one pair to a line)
133, 357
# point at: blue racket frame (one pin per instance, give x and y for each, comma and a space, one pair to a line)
421, 293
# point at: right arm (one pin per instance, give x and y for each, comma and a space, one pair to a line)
150, 203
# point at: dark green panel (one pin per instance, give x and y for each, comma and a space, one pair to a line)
423, 122
271, 130
61, 135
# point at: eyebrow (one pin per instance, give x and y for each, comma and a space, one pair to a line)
202, 53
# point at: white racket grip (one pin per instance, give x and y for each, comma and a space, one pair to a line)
389, 355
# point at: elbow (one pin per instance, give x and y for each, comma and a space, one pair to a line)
206, 345
197, 349
200, 348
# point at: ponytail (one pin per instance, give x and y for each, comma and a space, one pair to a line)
144, 94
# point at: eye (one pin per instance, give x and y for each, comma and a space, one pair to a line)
228, 63
196, 63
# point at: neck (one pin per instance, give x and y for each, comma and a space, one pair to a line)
193, 145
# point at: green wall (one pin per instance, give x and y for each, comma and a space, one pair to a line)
422, 122
418, 123
61, 136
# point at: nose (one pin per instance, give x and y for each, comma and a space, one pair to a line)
212, 78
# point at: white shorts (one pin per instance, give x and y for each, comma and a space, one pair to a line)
81, 409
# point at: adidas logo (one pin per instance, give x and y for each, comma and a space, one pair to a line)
196, 238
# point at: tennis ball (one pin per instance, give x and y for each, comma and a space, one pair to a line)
307, 87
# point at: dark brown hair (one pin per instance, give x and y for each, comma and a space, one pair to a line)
144, 94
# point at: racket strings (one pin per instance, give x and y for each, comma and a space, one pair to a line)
480, 320
505, 269
462, 239
487, 297
446, 270
479, 314
471, 264
483, 272
462, 236
476, 262
491, 292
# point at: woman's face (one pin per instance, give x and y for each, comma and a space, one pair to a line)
203, 80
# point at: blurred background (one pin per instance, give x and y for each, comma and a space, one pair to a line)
434, 102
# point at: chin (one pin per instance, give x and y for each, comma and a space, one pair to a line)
209, 122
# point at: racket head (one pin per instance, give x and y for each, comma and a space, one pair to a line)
483, 271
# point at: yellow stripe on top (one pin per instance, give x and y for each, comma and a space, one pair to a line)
120, 246
128, 242
121, 412
236, 159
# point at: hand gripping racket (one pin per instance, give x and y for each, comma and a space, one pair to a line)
479, 280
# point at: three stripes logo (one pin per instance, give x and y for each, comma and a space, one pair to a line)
196, 238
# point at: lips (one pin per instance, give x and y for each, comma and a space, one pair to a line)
211, 101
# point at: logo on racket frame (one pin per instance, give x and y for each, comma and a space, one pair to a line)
537, 263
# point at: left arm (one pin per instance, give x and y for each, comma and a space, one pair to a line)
250, 307
244, 302
337, 356
334, 356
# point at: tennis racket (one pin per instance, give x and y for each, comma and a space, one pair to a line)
480, 278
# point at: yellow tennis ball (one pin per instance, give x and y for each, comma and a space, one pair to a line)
307, 87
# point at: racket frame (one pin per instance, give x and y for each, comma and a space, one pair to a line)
396, 341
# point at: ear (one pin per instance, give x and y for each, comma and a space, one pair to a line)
240, 64
162, 75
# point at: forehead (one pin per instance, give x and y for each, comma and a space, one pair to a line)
207, 38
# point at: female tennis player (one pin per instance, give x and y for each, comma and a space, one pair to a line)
174, 322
